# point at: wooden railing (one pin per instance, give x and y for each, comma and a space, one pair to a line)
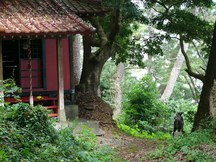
48, 102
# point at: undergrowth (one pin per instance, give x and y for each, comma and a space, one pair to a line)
27, 134
135, 132
198, 146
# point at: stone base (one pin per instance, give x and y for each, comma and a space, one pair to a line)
61, 116
71, 112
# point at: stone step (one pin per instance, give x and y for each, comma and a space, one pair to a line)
79, 124
82, 124
71, 112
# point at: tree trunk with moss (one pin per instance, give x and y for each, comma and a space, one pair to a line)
92, 67
207, 104
95, 58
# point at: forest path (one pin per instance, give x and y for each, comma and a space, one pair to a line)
93, 108
129, 148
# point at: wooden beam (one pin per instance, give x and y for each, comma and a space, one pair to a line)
1, 74
61, 106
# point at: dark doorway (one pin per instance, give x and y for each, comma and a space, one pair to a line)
10, 50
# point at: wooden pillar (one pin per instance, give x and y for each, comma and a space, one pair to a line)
1, 75
61, 106
72, 84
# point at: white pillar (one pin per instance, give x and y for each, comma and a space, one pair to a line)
61, 106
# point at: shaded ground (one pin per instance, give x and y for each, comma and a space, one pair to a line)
129, 148
92, 107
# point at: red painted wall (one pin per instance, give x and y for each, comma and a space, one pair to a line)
51, 68
36, 73
51, 64
66, 64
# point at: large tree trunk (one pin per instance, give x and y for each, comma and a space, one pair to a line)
118, 89
208, 94
92, 67
174, 75
93, 61
92, 107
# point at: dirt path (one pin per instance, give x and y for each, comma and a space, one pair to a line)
129, 148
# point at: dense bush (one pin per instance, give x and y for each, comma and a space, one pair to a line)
24, 130
10, 88
27, 134
143, 109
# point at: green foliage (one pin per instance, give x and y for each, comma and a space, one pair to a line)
129, 10
82, 147
184, 23
208, 123
143, 109
179, 17
178, 3
27, 134
144, 113
130, 51
130, 16
138, 47
135, 132
106, 82
197, 146
24, 129
10, 88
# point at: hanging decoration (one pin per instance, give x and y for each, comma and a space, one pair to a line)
27, 46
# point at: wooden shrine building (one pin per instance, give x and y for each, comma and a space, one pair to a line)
35, 46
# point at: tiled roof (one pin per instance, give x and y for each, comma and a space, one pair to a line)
41, 17
84, 7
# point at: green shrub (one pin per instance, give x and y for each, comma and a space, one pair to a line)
27, 134
24, 129
10, 88
143, 109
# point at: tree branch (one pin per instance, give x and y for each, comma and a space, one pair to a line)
102, 35
95, 43
163, 5
198, 53
187, 61
156, 10
115, 25
192, 87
